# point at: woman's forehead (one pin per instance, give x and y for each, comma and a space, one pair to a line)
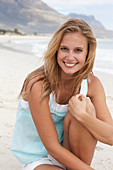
74, 38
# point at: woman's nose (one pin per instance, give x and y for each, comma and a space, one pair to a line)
71, 55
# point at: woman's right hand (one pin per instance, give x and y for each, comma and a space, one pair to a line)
79, 105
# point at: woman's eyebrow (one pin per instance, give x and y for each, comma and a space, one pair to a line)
63, 45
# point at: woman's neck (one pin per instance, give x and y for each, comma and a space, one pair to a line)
64, 87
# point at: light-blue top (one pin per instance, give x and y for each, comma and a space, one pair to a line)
26, 143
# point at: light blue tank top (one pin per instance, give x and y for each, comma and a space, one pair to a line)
26, 143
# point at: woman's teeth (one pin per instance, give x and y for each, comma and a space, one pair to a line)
70, 65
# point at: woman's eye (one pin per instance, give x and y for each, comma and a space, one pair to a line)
78, 50
63, 48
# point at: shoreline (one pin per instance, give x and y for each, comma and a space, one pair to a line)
15, 66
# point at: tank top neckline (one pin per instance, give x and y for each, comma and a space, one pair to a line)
53, 103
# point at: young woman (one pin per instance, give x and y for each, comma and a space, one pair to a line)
45, 137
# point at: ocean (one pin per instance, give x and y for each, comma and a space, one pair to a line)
37, 46
104, 56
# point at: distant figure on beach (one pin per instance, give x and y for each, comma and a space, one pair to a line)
62, 110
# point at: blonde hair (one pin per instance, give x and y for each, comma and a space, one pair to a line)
51, 69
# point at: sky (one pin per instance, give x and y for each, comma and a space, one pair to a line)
102, 10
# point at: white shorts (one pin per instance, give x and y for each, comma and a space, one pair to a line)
48, 160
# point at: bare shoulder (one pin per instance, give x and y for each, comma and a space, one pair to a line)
95, 86
37, 79
35, 85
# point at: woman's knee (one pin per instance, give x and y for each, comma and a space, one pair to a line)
71, 124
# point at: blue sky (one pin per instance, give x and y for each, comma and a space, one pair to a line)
102, 10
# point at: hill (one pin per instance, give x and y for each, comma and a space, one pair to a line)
97, 27
29, 16
34, 16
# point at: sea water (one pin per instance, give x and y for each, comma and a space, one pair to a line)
104, 56
38, 46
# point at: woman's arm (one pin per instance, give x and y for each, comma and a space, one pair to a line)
101, 126
47, 132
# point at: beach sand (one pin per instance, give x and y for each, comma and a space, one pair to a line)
14, 67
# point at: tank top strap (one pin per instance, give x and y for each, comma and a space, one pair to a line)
84, 87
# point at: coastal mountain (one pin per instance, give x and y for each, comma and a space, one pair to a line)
34, 16
29, 16
97, 27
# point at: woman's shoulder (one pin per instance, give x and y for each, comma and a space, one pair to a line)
36, 79
35, 84
92, 78
94, 85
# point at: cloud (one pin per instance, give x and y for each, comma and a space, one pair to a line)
77, 2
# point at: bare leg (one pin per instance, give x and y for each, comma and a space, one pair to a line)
78, 139
47, 167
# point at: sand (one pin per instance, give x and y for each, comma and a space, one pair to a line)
14, 67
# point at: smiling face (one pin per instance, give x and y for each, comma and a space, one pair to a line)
72, 53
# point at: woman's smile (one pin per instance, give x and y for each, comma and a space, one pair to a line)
70, 65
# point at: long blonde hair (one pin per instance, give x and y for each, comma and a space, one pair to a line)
51, 69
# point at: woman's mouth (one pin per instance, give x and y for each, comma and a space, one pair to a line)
70, 64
